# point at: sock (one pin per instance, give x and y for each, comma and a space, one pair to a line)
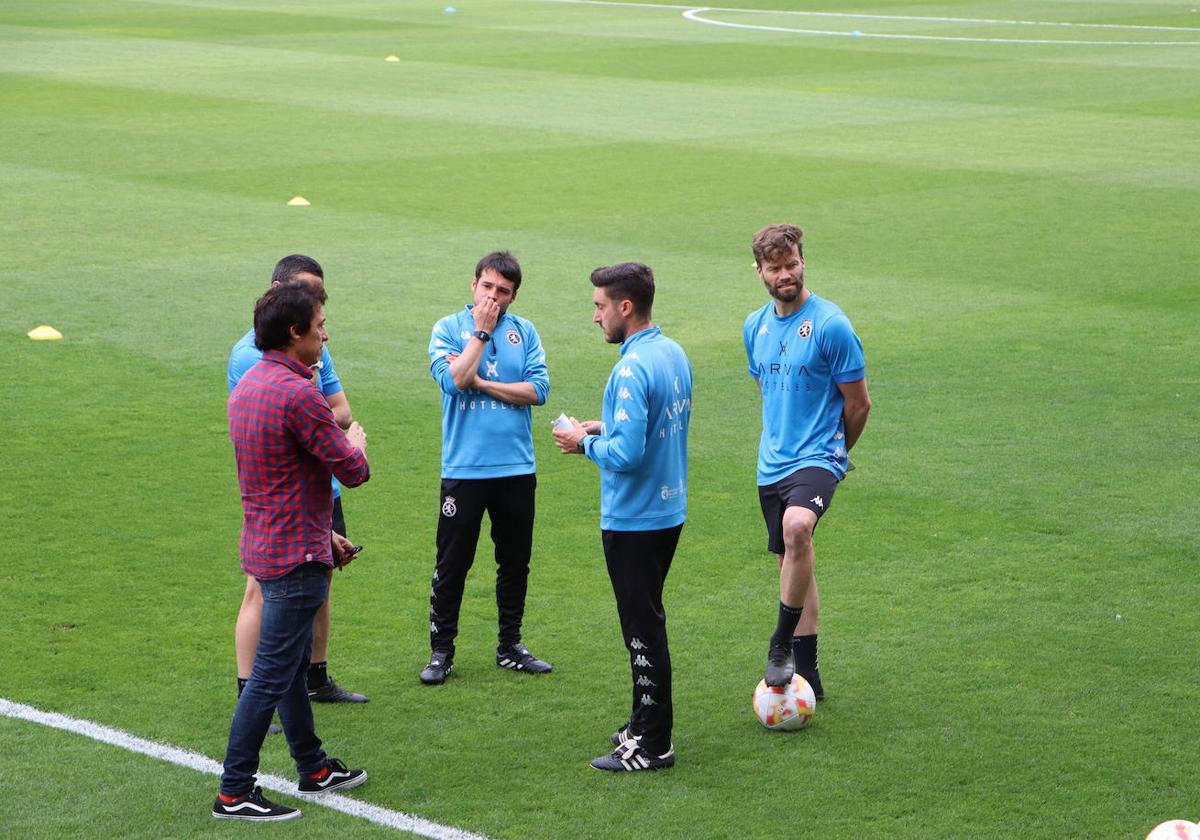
242, 686
785, 626
317, 675
804, 648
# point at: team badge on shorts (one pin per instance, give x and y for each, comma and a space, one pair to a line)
513, 337
449, 508
805, 329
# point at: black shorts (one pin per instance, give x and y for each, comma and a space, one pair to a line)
339, 520
810, 487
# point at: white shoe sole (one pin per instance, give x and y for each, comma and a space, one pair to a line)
278, 818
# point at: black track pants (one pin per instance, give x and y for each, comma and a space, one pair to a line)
638, 562
509, 503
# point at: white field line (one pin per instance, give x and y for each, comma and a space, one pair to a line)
184, 758
693, 13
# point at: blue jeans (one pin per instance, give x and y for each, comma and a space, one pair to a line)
279, 679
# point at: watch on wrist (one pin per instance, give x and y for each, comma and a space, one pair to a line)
482, 335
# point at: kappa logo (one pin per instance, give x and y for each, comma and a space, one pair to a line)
625, 372
818, 501
433, 628
645, 682
805, 329
839, 436
631, 355
449, 508
492, 369
763, 330
623, 394
513, 337
464, 335
642, 662
636, 644
621, 416
647, 700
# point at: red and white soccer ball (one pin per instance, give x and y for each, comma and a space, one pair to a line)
1175, 830
785, 707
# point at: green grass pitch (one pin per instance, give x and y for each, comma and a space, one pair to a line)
1009, 581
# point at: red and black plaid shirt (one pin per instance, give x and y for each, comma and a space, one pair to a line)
287, 444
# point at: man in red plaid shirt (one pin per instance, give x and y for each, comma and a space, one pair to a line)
287, 444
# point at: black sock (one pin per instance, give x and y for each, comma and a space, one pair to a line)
785, 626
804, 648
317, 676
242, 686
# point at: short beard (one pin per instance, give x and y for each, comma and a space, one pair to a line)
788, 298
618, 336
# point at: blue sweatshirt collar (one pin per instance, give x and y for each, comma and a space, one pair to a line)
650, 332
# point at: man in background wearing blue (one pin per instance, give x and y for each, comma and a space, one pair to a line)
640, 446
321, 687
809, 366
491, 369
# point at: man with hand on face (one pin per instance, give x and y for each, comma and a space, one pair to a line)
491, 369
809, 366
640, 447
287, 445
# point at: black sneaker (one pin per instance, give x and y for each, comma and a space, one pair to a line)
813, 678
252, 806
518, 658
439, 667
630, 757
331, 692
622, 735
333, 776
781, 665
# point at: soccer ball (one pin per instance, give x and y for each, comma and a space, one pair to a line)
1174, 830
785, 707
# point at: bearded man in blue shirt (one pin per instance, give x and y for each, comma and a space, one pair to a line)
491, 369
809, 366
640, 446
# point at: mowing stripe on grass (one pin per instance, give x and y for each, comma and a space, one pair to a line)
693, 13
195, 761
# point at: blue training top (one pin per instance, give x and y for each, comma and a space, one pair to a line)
245, 356
642, 447
483, 437
799, 362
